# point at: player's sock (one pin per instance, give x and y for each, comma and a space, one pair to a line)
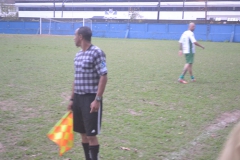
181, 77
86, 150
192, 77
94, 152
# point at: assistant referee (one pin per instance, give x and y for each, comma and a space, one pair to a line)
88, 87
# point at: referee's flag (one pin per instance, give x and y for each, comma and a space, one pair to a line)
62, 133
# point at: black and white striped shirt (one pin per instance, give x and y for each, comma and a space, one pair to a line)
89, 66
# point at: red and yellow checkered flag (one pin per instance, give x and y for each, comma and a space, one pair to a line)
62, 133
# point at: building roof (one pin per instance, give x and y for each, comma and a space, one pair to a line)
131, 4
7, 1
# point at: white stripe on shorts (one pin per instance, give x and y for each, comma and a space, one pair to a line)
99, 119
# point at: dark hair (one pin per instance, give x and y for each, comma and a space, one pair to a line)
86, 33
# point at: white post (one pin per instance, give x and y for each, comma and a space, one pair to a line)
40, 31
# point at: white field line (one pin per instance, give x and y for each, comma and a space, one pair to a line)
218, 124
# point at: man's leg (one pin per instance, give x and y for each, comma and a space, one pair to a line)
93, 147
185, 69
85, 144
190, 69
78, 124
92, 123
190, 72
190, 59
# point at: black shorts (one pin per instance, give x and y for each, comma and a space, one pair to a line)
83, 120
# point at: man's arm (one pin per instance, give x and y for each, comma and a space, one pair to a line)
71, 98
199, 45
101, 87
180, 49
193, 40
180, 46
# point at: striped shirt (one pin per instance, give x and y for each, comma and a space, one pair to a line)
89, 66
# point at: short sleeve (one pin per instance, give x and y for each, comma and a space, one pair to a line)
192, 38
100, 62
181, 39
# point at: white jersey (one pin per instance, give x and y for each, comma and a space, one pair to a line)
187, 40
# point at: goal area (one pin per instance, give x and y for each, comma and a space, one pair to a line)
52, 26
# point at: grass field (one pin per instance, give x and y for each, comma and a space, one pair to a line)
145, 109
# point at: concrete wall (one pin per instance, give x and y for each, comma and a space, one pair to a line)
205, 32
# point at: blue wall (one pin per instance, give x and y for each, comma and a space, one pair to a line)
205, 32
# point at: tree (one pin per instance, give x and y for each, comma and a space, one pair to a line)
133, 13
7, 10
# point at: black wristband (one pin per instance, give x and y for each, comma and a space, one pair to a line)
71, 99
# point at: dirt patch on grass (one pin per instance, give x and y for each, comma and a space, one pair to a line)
7, 105
29, 112
65, 96
14, 107
134, 113
195, 146
150, 102
1, 148
224, 120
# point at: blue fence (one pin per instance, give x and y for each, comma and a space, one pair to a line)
205, 32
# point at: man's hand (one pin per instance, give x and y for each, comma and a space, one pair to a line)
69, 107
94, 106
199, 45
203, 47
180, 53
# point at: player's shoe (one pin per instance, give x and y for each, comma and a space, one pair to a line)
193, 80
182, 81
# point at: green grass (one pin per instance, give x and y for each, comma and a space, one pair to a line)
144, 106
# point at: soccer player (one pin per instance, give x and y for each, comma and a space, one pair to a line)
87, 91
187, 47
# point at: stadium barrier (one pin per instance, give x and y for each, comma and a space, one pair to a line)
204, 32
